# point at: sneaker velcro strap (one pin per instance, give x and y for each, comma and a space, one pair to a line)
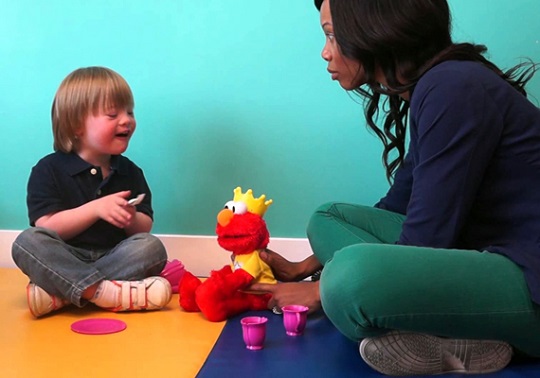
126, 295
133, 295
140, 293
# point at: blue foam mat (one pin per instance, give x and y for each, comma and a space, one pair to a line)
321, 352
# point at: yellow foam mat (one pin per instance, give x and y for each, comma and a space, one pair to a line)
165, 343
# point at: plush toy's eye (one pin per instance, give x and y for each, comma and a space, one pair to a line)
236, 207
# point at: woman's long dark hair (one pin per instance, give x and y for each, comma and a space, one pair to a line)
403, 39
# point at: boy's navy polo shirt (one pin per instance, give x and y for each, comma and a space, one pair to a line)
471, 177
61, 181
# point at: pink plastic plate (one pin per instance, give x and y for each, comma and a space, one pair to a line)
98, 326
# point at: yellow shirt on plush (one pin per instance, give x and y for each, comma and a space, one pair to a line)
253, 264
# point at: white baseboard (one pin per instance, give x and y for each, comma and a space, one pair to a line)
199, 254
6, 240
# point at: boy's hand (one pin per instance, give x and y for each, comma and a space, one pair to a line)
115, 209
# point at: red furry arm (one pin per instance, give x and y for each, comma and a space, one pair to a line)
225, 271
239, 279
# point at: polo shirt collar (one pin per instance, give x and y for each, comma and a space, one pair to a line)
75, 165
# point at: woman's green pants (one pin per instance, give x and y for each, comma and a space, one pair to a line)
370, 285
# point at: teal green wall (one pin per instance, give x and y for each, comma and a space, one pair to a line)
227, 93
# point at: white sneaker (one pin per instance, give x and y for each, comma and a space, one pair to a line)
40, 302
152, 293
407, 353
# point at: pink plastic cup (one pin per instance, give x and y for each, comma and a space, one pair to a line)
294, 319
254, 331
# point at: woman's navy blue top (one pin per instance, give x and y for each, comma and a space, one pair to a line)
471, 175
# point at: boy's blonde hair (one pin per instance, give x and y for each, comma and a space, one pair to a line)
83, 92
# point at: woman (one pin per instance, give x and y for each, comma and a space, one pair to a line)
443, 274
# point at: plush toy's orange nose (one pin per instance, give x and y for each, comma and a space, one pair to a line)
224, 217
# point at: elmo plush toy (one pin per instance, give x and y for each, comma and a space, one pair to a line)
241, 230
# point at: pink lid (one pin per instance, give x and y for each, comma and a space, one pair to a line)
98, 326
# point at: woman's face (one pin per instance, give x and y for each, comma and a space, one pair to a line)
349, 73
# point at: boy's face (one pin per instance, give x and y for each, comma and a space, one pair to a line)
106, 133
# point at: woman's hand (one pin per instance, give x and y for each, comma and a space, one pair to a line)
298, 293
287, 271
283, 269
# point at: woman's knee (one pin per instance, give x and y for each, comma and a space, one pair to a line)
320, 214
351, 272
350, 289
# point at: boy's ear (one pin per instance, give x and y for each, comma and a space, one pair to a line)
79, 132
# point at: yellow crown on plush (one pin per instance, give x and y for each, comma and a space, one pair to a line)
254, 205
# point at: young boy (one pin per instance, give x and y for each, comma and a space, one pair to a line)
88, 243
